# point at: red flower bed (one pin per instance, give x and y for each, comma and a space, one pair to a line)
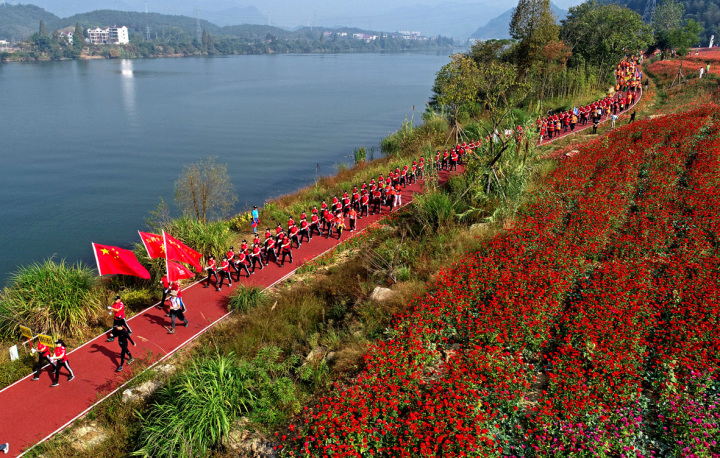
607, 288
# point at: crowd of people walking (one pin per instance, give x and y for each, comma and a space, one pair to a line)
628, 87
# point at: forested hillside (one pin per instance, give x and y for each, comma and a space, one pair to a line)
705, 12
18, 22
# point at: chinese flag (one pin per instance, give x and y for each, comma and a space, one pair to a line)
114, 260
178, 251
178, 272
153, 244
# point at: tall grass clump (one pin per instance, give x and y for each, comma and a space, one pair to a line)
433, 209
245, 298
359, 155
50, 297
206, 238
196, 411
395, 143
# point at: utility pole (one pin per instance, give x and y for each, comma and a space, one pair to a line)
147, 27
198, 30
649, 11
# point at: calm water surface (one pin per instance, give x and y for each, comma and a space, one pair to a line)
88, 148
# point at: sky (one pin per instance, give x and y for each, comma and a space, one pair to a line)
458, 18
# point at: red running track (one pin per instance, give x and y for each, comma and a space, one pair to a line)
32, 411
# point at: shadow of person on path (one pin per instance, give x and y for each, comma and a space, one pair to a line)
113, 355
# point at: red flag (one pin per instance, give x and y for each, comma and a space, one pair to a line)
177, 272
178, 251
114, 260
153, 244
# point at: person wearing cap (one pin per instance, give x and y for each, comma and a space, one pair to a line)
43, 352
231, 259
241, 263
118, 310
123, 337
224, 273
255, 219
61, 360
270, 250
5, 447
286, 249
211, 271
256, 257
177, 310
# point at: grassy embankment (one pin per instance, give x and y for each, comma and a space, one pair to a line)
325, 311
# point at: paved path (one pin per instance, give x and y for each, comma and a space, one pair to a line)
32, 411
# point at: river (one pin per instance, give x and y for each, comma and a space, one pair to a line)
88, 148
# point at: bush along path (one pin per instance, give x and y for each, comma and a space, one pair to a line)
33, 411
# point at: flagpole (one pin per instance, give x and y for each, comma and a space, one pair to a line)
167, 269
145, 245
97, 261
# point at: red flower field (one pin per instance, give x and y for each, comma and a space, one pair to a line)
591, 328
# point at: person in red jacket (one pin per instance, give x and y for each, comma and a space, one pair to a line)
286, 251
270, 249
365, 204
314, 224
352, 215
294, 236
305, 230
242, 263
118, 312
43, 352
211, 271
165, 289
224, 273
256, 258
61, 360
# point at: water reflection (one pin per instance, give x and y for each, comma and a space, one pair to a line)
128, 86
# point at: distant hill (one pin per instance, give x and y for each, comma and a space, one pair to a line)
499, 28
20, 21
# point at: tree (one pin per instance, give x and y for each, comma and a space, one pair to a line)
681, 39
456, 86
602, 34
78, 38
204, 189
667, 18
533, 25
43, 30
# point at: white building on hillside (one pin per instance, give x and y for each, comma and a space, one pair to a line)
112, 35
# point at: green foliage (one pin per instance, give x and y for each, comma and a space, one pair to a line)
433, 209
206, 238
244, 298
395, 143
139, 298
50, 297
601, 34
667, 17
359, 155
534, 25
195, 412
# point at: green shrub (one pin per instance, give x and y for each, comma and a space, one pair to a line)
433, 209
245, 298
206, 238
50, 298
360, 155
195, 412
138, 299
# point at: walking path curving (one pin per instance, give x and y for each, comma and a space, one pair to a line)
32, 411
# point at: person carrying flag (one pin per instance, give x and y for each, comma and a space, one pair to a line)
123, 337
43, 352
61, 360
177, 310
270, 250
305, 230
256, 257
118, 311
166, 290
211, 271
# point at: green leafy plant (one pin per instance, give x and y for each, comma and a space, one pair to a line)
50, 297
